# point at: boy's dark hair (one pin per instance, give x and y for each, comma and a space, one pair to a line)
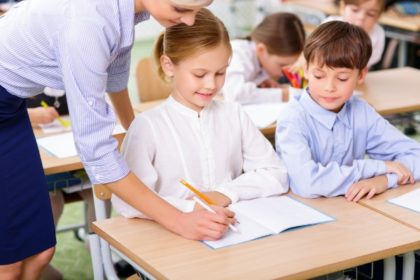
338, 44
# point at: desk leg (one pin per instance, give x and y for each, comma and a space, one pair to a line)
95, 253
389, 268
402, 53
409, 263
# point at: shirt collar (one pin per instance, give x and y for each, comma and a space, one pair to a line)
128, 19
325, 117
181, 108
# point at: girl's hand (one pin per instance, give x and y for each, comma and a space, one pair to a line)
367, 187
404, 174
204, 225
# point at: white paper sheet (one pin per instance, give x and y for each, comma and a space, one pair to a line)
410, 200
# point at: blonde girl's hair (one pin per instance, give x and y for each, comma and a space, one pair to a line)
281, 33
182, 41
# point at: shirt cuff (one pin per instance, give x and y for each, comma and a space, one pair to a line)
373, 168
392, 180
117, 82
109, 168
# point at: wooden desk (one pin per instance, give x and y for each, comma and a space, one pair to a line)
405, 216
393, 91
358, 236
54, 165
390, 17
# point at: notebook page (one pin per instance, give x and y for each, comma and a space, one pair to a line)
59, 145
248, 230
410, 200
62, 145
279, 213
263, 115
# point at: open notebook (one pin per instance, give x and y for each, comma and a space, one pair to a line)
410, 200
266, 216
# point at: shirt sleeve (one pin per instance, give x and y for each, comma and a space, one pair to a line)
139, 149
238, 89
84, 55
387, 143
119, 70
263, 173
309, 178
378, 45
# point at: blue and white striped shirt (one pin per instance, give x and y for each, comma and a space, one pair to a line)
82, 47
324, 152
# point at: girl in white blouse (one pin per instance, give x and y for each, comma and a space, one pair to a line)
258, 60
211, 144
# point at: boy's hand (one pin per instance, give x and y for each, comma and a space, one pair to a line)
367, 187
204, 225
404, 174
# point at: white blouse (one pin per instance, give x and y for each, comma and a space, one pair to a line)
244, 74
377, 37
219, 149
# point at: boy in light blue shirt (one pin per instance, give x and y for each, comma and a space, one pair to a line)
325, 134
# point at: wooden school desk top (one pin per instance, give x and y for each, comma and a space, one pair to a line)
393, 91
54, 165
389, 17
405, 216
357, 236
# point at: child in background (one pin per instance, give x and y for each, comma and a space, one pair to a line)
258, 60
324, 134
211, 144
365, 14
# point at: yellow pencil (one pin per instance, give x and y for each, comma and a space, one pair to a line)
60, 120
197, 192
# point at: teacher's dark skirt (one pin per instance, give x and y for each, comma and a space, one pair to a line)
26, 222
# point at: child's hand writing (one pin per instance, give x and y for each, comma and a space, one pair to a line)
41, 115
367, 187
269, 83
204, 225
404, 174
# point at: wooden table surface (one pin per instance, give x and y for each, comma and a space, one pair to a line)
357, 236
405, 216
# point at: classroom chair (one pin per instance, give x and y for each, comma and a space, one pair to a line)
149, 85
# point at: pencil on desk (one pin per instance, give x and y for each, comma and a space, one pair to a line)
208, 208
60, 120
197, 192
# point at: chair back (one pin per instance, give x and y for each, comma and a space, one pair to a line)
149, 85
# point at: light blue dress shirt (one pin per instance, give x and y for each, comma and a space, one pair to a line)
325, 152
80, 46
